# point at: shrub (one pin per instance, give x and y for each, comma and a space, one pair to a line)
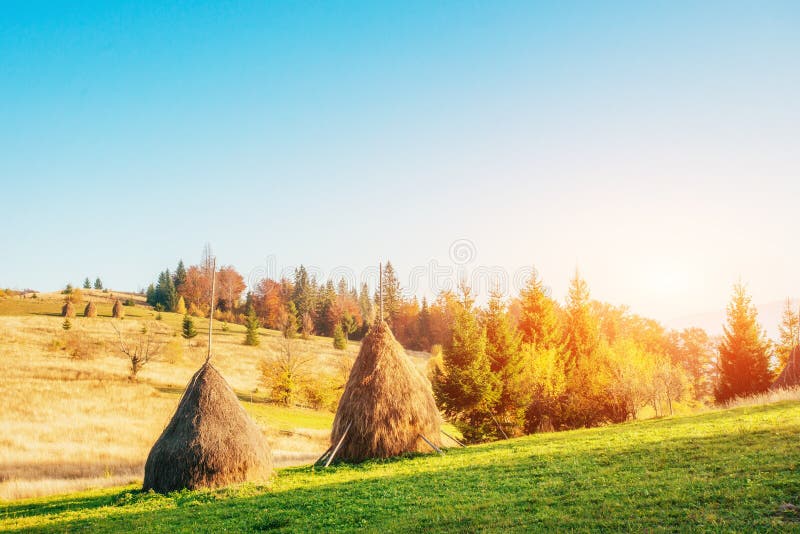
129, 302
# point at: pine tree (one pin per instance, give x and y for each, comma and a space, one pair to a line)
180, 277
581, 328
503, 348
339, 341
188, 327
87, 284
538, 322
67, 324
180, 307
789, 331
365, 305
744, 351
150, 295
251, 323
464, 386
98, 284
423, 340
392, 295
326, 317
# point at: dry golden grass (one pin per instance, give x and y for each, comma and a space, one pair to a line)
768, 397
68, 423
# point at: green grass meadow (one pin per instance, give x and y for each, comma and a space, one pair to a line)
731, 471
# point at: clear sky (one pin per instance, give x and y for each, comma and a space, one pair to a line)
653, 145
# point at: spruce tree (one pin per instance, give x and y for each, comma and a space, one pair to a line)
251, 323
188, 327
506, 358
98, 284
180, 276
289, 322
464, 386
744, 351
789, 332
392, 295
582, 333
365, 305
87, 284
538, 322
67, 324
339, 341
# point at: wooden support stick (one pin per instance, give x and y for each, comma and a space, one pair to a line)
499, 427
341, 440
324, 455
454, 439
434, 447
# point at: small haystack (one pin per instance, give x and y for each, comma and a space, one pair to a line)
90, 310
387, 405
68, 310
790, 376
117, 311
209, 442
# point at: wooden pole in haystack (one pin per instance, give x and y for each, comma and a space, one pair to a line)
211, 313
338, 445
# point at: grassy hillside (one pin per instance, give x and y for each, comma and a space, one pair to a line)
69, 423
733, 470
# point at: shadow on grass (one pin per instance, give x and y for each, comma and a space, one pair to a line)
727, 480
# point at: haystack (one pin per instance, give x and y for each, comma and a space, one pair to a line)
387, 405
68, 310
209, 442
790, 376
117, 311
90, 310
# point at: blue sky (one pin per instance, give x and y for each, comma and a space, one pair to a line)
653, 145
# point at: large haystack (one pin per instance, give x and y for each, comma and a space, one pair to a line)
68, 310
790, 376
117, 311
209, 442
90, 310
387, 403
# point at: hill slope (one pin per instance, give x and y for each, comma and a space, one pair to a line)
728, 470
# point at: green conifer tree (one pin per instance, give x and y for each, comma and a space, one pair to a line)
789, 334
251, 323
339, 341
188, 327
465, 388
87, 284
744, 351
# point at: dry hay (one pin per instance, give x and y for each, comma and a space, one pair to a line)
209, 442
90, 310
387, 403
117, 311
790, 376
68, 310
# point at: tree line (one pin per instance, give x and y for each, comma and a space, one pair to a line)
518, 365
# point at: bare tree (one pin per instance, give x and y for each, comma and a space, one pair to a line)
140, 349
284, 371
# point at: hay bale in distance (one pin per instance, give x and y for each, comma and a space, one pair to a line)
790, 376
117, 311
209, 442
387, 402
90, 310
68, 310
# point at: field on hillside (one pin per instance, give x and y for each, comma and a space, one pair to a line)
729, 470
68, 424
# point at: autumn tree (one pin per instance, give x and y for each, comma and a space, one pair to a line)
744, 351
789, 334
